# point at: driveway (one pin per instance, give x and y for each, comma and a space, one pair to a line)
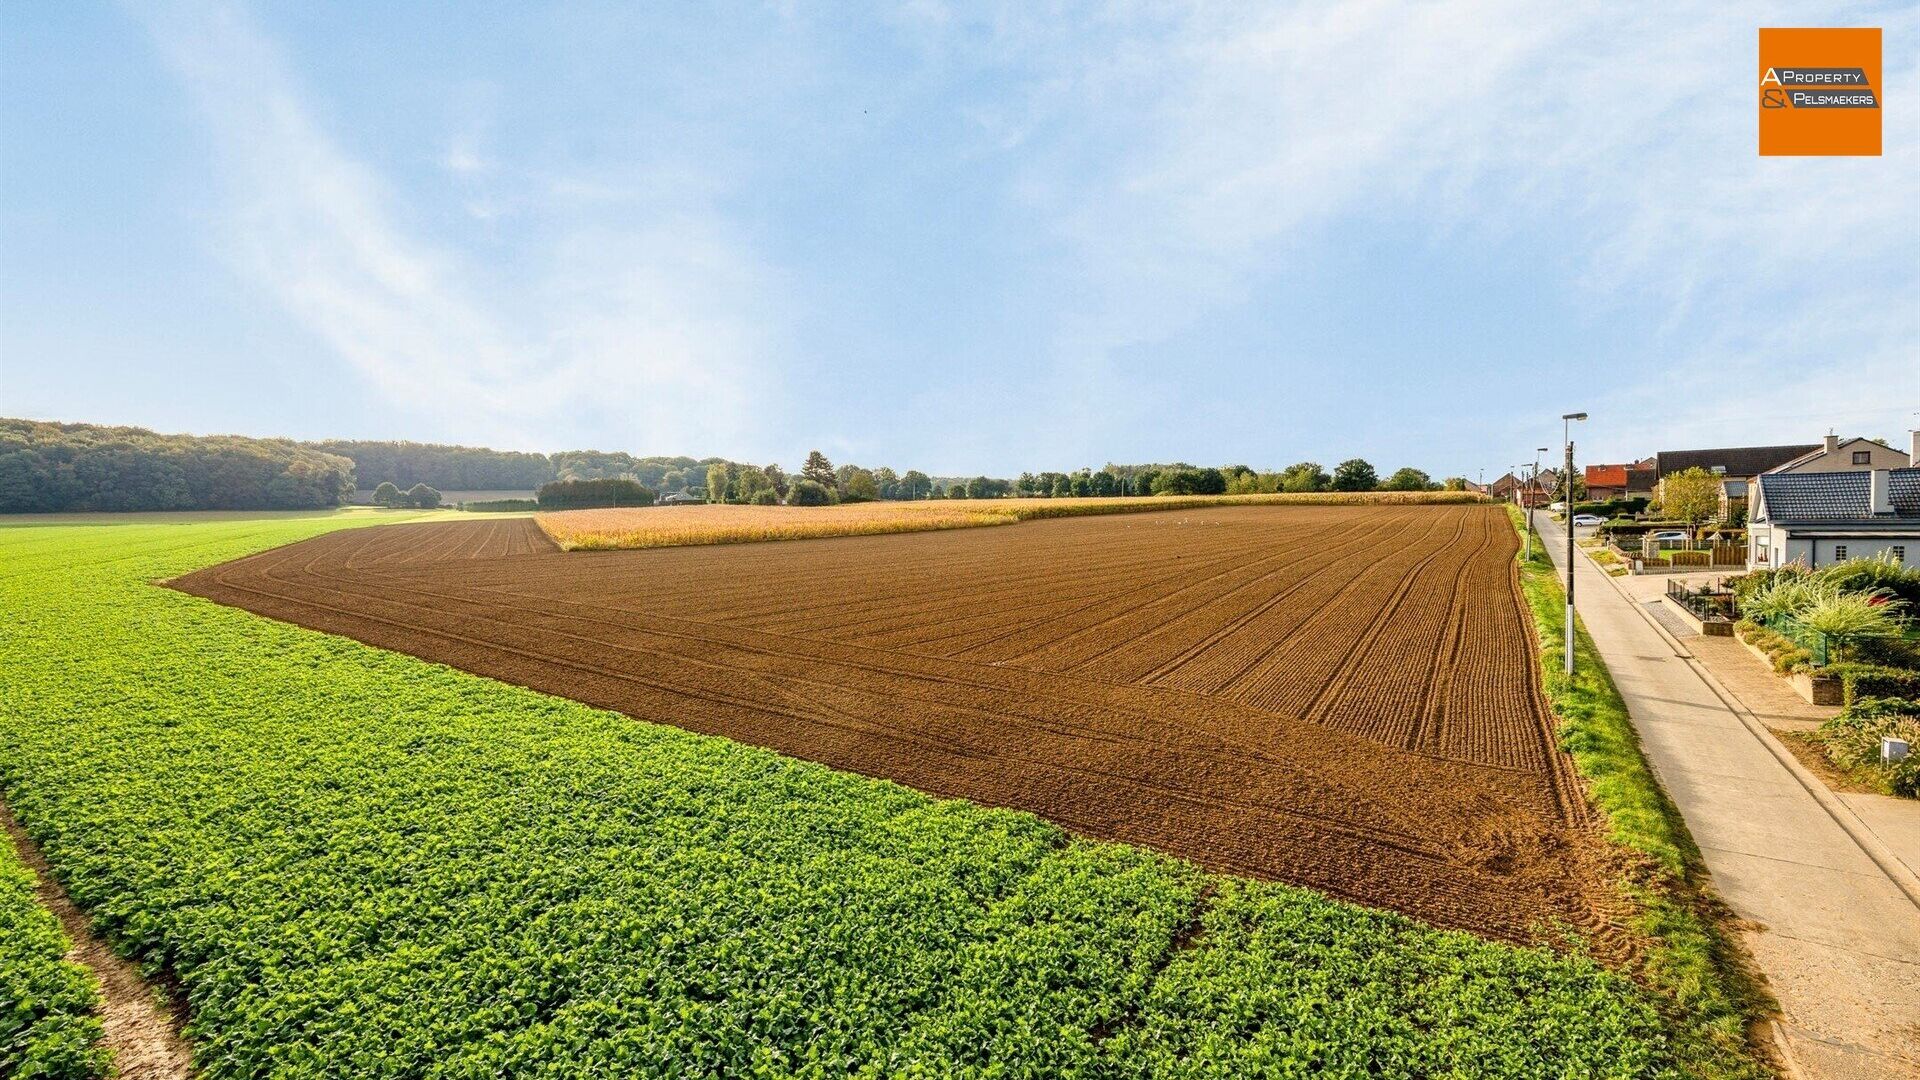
1832, 911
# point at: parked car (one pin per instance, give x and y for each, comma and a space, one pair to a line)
1588, 519
1669, 536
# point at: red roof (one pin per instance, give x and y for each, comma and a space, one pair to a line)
1607, 476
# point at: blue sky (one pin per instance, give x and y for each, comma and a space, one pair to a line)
959, 238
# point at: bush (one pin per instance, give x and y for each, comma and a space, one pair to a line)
764, 497
421, 497
1785, 654
1876, 573
808, 493
1612, 508
585, 494
1785, 596
1851, 617
1852, 741
1886, 652
1863, 681
386, 494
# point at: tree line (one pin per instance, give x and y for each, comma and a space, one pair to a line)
819, 482
447, 468
474, 468
50, 467
1353, 474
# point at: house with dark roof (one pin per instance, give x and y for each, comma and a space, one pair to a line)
1736, 466
1526, 491
1821, 518
1846, 455
1642, 478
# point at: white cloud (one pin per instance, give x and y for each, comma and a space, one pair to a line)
1184, 156
641, 327
463, 157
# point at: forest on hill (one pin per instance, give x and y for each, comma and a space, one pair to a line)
50, 467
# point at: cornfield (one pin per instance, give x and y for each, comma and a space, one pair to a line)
677, 526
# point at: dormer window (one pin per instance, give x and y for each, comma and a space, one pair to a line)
1719, 470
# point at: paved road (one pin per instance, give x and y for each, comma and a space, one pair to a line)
1834, 913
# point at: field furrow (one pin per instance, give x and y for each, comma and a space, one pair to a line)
1227, 684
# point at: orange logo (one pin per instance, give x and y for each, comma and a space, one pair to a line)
1819, 92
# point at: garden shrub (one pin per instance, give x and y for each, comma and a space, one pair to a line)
1852, 741
1783, 652
1876, 573
1863, 681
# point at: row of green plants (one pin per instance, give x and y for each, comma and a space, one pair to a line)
357, 863
1787, 656
48, 1028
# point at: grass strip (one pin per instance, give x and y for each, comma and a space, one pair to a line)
359, 863
1692, 960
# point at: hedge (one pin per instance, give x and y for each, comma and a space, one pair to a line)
1612, 507
1877, 681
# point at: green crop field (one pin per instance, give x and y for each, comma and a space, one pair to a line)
357, 863
46, 1024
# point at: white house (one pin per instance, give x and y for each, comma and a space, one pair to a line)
1820, 518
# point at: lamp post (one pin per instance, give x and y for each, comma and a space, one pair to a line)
1533, 490
1566, 436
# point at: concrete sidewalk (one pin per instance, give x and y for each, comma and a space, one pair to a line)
1833, 913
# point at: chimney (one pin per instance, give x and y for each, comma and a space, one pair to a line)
1833, 442
1880, 491
1913, 453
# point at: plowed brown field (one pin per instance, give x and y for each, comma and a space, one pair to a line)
1341, 697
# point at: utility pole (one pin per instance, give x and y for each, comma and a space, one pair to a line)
1533, 496
1566, 435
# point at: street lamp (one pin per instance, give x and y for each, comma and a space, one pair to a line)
1566, 437
1533, 492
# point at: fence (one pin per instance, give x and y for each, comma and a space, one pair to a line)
1814, 641
1682, 553
1709, 600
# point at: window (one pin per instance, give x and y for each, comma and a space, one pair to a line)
1863, 457
1899, 553
1719, 470
1839, 553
